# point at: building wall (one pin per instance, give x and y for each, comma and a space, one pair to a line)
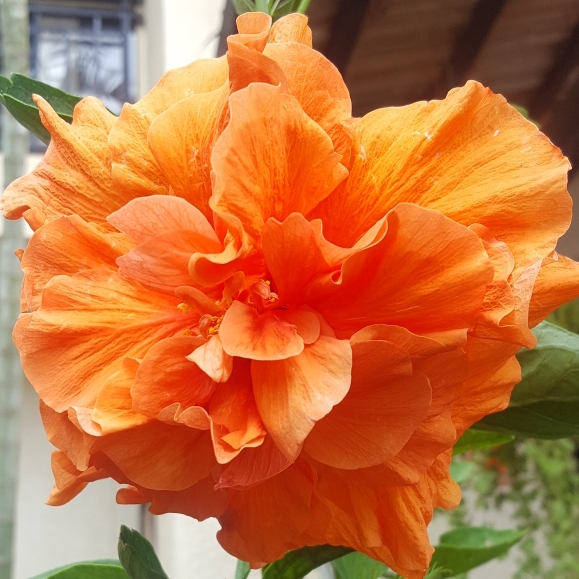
175, 32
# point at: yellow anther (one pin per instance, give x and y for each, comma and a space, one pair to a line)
184, 308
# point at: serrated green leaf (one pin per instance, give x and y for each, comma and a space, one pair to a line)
297, 564
102, 569
546, 402
474, 439
461, 471
242, 570
138, 557
465, 548
358, 566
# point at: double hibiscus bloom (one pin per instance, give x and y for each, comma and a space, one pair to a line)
241, 302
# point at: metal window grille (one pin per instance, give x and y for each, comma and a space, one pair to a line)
85, 48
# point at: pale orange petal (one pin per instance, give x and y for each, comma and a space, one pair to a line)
291, 28
246, 333
147, 217
74, 177
293, 394
213, 360
181, 140
134, 167
87, 324
67, 246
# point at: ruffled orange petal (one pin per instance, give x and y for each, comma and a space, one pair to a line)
166, 378
262, 523
66, 246
291, 28
113, 410
293, 394
134, 167
63, 434
236, 423
248, 334
158, 456
200, 501
493, 373
427, 274
74, 177
181, 140
69, 481
253, 465
470, 156
87, 324
556, 284
162, 262
271, 160
318, 86
384, 406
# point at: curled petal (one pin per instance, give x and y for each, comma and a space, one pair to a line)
166, 377
253, 465
557, 283
213, 360
291, 28
158, 456
427, 274
247, 334
236, 423
293, 394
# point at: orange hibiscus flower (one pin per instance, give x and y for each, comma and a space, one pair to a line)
243, 303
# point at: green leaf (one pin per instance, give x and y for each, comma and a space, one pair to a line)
546, 402
297, 564
465, 548
138, 557
303, 6
27, 116
242, 6
358, 566
16, 95
567, 316
104, 569
474, 439
461, 471
242, 570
